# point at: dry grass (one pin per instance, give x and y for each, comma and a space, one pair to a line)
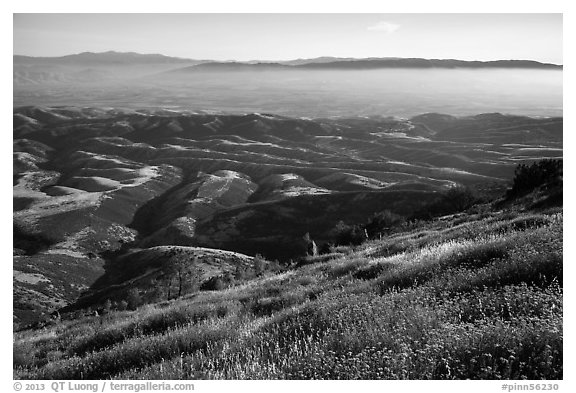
480, 300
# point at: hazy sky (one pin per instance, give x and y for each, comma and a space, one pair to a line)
289, 36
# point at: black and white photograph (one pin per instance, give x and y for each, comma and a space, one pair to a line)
287, 196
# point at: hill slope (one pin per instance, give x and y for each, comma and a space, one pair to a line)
473, 297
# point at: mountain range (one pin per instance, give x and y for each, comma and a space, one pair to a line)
124, 58
92, 67
29, 69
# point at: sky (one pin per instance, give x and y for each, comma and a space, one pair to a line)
289, 36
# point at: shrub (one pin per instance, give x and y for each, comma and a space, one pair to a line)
258, 265
348, 267
540, 173
122, 305
345, 235
133, 299
382, 222
372, 271
454, 200
217, 283
239, 273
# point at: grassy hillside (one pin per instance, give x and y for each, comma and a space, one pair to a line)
472, 296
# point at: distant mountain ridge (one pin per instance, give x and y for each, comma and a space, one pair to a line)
367, 64
325, 62
427, 63
105, 58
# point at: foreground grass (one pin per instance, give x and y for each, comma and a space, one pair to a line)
474, 299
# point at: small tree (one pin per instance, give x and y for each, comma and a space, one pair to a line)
216, 283
258, 265
459, 198
133, 299
183, 270
345, 235
382, 222
159, 289
166, 283
454, 200
239, 273
275, 266
228, 278
107, 306
311, 247
326, 248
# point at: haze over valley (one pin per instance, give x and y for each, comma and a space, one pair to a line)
312, 88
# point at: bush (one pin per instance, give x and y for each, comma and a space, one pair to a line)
382, 222
133, 299
346, 235
373, 270
258, 265
217, 283
239, 273
122, 305
529, 177
457, 199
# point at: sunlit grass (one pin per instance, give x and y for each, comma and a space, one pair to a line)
479, 299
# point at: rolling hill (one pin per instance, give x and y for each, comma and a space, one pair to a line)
93, 186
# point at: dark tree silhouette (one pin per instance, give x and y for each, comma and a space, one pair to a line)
258, 264
184, 270
541, 173
382, 222
311, 247
133, 299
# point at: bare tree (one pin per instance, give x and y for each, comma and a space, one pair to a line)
311, 247
258, 264
184, 269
